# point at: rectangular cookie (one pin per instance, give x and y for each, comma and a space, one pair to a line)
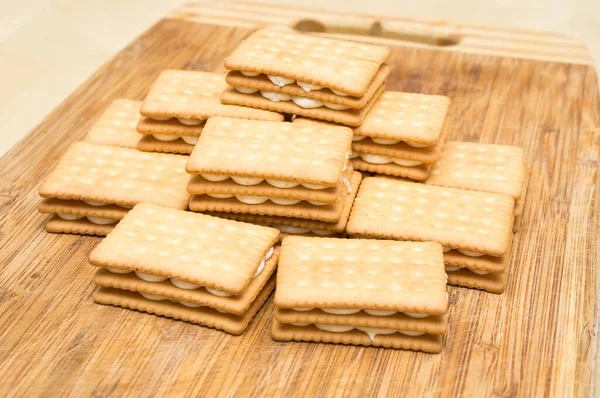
408, 117
194, 298
199, 186
480, 167
205, 316
80, 209
299, 226
455, 258
344, 66
349, 117
193, 96
430, 343
473, 221
493, 283
262, 83
114, 175
168, 127
417, 173
117, 125
149, 143
271, 150
193, 250
82, 226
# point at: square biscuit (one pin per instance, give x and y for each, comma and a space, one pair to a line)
430, 343
195, 248
57, 225
168, 127
344, 66
117, 125
417, 173
205, 316
276, 150
198, 186
150, 144
480, 167
474, 221
275, 221
348, 117
236, 305
262, 83
361, 274
194, 95
115, 175
399, 321
409, 117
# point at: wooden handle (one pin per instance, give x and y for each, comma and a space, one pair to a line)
391, 30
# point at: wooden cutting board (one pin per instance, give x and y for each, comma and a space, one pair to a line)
539, 338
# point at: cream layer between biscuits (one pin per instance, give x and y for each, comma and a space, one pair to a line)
380, 159
384, 141
95, 220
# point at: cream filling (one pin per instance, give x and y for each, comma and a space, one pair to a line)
340, 93
414, 145
280, 80
187, 285
371, 332
337, 107
451, 268
94, 203
102, 220
246, 90
299, 230
470, 253
190, 139
249, 181
220, 196
354, 155
346, 311
189, 122
379, 159
358, 138
155, 297
384, 141
249, 74
159, 119
308, 86
69, 217
275, 97
308, 103
256, 200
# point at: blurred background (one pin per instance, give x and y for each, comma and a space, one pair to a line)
49, 47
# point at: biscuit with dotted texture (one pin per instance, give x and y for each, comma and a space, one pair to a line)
410, 117
150, 144
205, 316
456, 218
431, 324
361, 274
236, 305
427, 155
482, 263
249, 148
348, 117
115, 175
57, 225
262, 83
196, 248
194, 95
341, 65
417, 173
168, 127
430, 343
117, 125
337, 227
199, 186
480, 167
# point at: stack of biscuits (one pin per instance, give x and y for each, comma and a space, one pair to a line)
187, 266
295, 178
325, 79
362, 292
177, 106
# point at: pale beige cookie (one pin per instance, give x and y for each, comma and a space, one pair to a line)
262, 83
431, 343
277, 222
150, 144
474, 221
194, 95
114, 175
409, 117
168, 127
236, 305
234, 147
344, 66
348, 117
230, 323
480, 167
417, 173
361, 274
57, 225
116, 126
194, 248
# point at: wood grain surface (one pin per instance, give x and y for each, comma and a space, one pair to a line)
539, 338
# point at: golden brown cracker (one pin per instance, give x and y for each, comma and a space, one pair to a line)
57, 225
116, 126
171, 127
417, 173
150, 144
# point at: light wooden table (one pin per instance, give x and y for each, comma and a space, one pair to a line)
539, 338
